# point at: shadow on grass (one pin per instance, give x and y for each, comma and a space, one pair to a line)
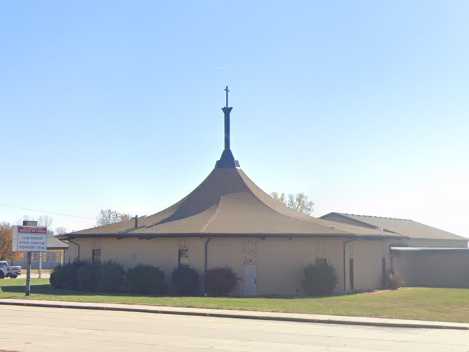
48, 290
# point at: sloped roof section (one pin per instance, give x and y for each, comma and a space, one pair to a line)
54, 243
404, 227
227, 202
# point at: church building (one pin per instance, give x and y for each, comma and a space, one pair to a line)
228, 221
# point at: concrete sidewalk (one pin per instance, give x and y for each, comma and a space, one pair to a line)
240, 314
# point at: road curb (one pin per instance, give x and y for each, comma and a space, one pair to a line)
245, 315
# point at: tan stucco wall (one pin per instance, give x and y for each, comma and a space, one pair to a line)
279, 262
368, 258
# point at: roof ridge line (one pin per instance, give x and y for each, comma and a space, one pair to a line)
212, 217
374, 216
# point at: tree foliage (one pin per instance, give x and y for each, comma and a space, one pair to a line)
299, 201
109, 216
6, 237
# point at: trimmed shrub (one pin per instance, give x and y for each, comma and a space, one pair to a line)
320, 278
185, 281
107, 277
220, 281
88, 277
54, 279
111, 277
394, 281
146, 279
65, 276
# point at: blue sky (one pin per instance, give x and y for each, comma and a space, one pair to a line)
362, 105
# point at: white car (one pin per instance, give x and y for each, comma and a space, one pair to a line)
9, 271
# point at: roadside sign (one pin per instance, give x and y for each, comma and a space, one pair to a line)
29, 239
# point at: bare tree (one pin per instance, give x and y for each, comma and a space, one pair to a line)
299, 202
279, 196
60, 230
109, 216
45, 220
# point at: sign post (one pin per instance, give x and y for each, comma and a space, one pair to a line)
27, 291
29, 238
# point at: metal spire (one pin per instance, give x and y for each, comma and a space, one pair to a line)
227, 159
227, 111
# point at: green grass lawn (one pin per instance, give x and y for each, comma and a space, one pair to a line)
406, 303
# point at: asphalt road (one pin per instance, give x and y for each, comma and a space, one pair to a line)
53, 329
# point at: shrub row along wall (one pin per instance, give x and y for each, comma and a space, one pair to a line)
318, 279
432, 267
141, 279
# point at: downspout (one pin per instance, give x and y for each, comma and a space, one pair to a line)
206, 265
345, 263
78, 248
391, 257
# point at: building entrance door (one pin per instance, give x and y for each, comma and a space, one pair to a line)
249, 280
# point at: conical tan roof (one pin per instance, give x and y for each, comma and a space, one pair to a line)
228, 203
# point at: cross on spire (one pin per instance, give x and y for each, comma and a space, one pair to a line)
227, 91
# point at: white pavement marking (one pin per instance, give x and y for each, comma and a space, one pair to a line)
53, 329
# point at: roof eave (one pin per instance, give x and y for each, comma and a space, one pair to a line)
57, 248
227, 235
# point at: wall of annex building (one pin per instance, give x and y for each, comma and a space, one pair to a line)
413, 241
433, 268
432, 243
278, 262
443, 243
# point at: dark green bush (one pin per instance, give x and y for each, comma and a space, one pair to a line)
185, 281
220, 281
65, 276
56, 277
146, 279
320, 278
111, 277
88, 277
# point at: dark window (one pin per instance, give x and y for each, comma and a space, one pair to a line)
96, 256
351, 273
